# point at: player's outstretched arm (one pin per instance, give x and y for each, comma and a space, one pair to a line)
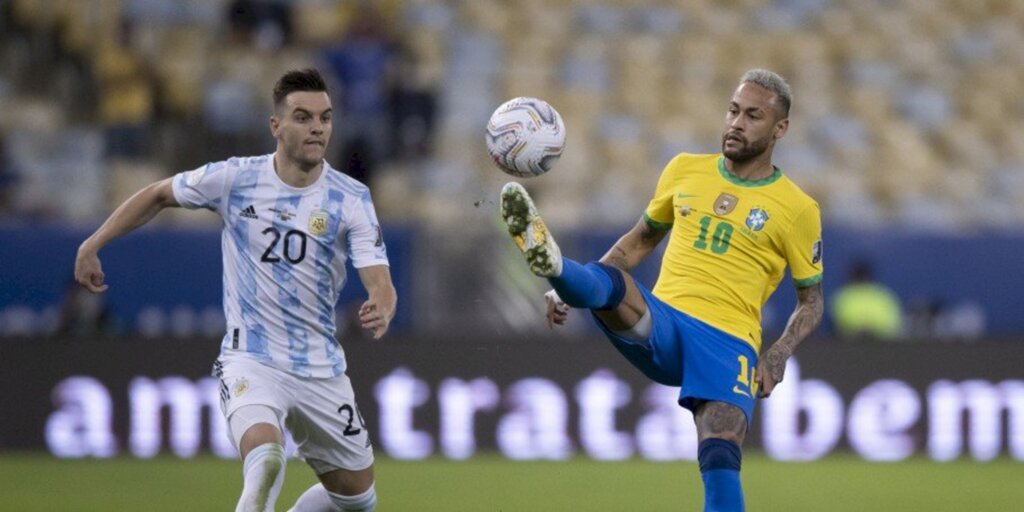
376, 313
772, 366
634, 246
134, 212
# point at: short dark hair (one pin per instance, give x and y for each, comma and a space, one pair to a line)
773, 82
298, 80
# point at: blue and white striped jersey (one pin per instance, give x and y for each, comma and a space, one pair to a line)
284, 251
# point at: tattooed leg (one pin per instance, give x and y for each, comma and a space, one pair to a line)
721, 428
720, 420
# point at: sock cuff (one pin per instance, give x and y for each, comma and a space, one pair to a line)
618, 291
261, 452
714, 454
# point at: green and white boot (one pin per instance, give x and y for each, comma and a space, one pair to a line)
529, 232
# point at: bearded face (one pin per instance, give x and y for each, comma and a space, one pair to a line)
737, 148
752, 123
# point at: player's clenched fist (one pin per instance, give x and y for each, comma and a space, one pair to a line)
89, 272
558, 311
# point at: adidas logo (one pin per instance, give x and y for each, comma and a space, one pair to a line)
249, 212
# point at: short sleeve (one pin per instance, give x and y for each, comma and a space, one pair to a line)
804, 249
659, 213
203, 187
364, 235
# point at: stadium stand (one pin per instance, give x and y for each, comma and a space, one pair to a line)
891, 126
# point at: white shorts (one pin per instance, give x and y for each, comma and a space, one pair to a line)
320, 414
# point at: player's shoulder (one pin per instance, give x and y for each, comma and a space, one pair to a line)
248, 163
348, 185
796, 197
237, 164
689, 164
685, 161
796, 191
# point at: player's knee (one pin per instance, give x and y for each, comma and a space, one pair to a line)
721, 420
364, 502
716, 453
618, 291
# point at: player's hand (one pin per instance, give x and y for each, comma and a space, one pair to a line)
375, 318
771, 368
88, 271
558, 311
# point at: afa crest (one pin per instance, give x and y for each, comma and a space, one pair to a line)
756, 219
318, 223
240, 387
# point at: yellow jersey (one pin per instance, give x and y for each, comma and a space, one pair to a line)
731, 240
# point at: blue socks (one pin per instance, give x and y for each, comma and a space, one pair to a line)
590, 286
720, 469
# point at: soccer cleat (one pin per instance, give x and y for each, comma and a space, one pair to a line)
529, 232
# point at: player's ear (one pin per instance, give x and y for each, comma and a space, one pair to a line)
780, 128
275, 125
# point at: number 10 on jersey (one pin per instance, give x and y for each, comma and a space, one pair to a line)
720, 238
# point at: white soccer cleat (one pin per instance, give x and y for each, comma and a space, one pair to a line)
529, 232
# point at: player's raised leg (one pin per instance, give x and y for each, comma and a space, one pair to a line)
607, 290
262, 451
721, 428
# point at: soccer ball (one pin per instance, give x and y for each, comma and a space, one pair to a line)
525, 137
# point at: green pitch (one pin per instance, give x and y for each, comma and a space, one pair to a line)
489, 483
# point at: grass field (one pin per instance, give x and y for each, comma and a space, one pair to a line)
31, 482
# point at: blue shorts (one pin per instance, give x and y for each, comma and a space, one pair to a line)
707, 363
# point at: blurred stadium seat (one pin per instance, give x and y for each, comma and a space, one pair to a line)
892, 128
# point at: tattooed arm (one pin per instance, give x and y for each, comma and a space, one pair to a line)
634, 246
772, 365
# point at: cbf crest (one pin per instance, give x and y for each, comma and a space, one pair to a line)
318, 223
756, 219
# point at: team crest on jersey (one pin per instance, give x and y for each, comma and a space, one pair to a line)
725, 203
240, 387
318, 223
757, 218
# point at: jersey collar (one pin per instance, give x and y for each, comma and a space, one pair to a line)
747, 183
312, 186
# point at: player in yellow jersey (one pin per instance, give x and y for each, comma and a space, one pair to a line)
735, 222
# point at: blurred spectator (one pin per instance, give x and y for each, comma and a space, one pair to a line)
413, 101
866, 308
8, 180
83, 313
361, 64
937, 320
127, 93
266, 24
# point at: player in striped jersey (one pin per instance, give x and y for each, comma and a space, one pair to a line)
290, 222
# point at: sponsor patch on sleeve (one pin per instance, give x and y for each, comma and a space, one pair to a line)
816, 252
